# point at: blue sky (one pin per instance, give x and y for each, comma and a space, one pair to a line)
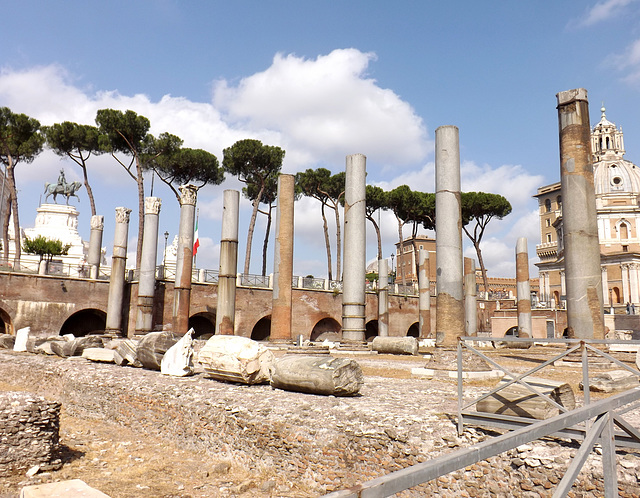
324, 80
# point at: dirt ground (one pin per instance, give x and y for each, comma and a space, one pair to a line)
123, 462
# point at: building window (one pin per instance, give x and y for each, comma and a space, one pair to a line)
547, 205
547, 222
625, 248
548, 237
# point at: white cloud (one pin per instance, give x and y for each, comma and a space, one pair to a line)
600, 12
628, 62
324, 109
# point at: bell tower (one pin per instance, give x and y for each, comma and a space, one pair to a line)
607, 141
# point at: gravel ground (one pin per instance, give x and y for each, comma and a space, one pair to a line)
135, 433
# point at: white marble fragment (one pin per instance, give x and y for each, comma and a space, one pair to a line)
22, 336
177, 361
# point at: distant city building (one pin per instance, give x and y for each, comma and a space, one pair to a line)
617, 186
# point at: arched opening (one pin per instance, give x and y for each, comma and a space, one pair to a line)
5, 323
624, 231
326, 329
559, 201
203, 325
85, 322
556, 297
617, 298
512, 331
262, 330
371, 331
414, 330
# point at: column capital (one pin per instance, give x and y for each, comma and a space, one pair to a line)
97, 222
188, 194
122, 214
152, 205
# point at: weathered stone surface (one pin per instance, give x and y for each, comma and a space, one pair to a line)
99, 354
447, 359
395, 345
46, 347
64, 489
152, 348
7, 341
310, 374
22, 336
615, 380
177, 361
29, 432
236, 359
125, 353
75, 347
518, 401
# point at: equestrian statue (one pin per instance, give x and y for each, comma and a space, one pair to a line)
62, 188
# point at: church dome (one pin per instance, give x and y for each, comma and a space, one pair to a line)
612, 177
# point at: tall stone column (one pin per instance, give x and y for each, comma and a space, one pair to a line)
605, 287
226, 308
449, 300
523, 288
424, 294
353, 291
383, 298
147, 277
625, 283
581, 246
633, 283
113, 324
283, 264
184, 259
470, 298
95, 246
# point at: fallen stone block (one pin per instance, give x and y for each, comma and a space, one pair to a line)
99, 354
152, 348
46, 347
236, 359
518, 401
177, 361
395, 345
125, 353
63, 489
22, 336
310, 374
75, 347
7, 341
615, 380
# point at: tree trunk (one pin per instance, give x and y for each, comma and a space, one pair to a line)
400, 256
252, 224
482, 269
265, 244
89, 191
327, 242
140, 181
14, 210
377, 229
338, 243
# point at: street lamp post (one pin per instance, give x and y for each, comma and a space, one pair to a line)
392, 272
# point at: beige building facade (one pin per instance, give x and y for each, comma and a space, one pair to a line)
617, 187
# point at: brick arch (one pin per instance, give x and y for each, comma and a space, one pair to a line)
84, 322
203, 324
414, 330
326, 328
372, 330
261, 331
6, 320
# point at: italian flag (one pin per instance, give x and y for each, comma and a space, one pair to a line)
196, 240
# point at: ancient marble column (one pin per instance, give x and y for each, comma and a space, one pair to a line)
470, 297
424, 294
95, 246
383, 298
283, 264
226, 308
113, 324
184, 259
147, 277
523, 288
581, 246
353, 281
449, 300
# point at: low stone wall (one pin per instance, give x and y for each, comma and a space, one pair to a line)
29, 432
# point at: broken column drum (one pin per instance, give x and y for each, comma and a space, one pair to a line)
470, 297
226, 307
353, 291
147, 274
449, 300
113, 324
95, 246
283, 264
424, 294
583, 275
184, 259
383, 298
523, 289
